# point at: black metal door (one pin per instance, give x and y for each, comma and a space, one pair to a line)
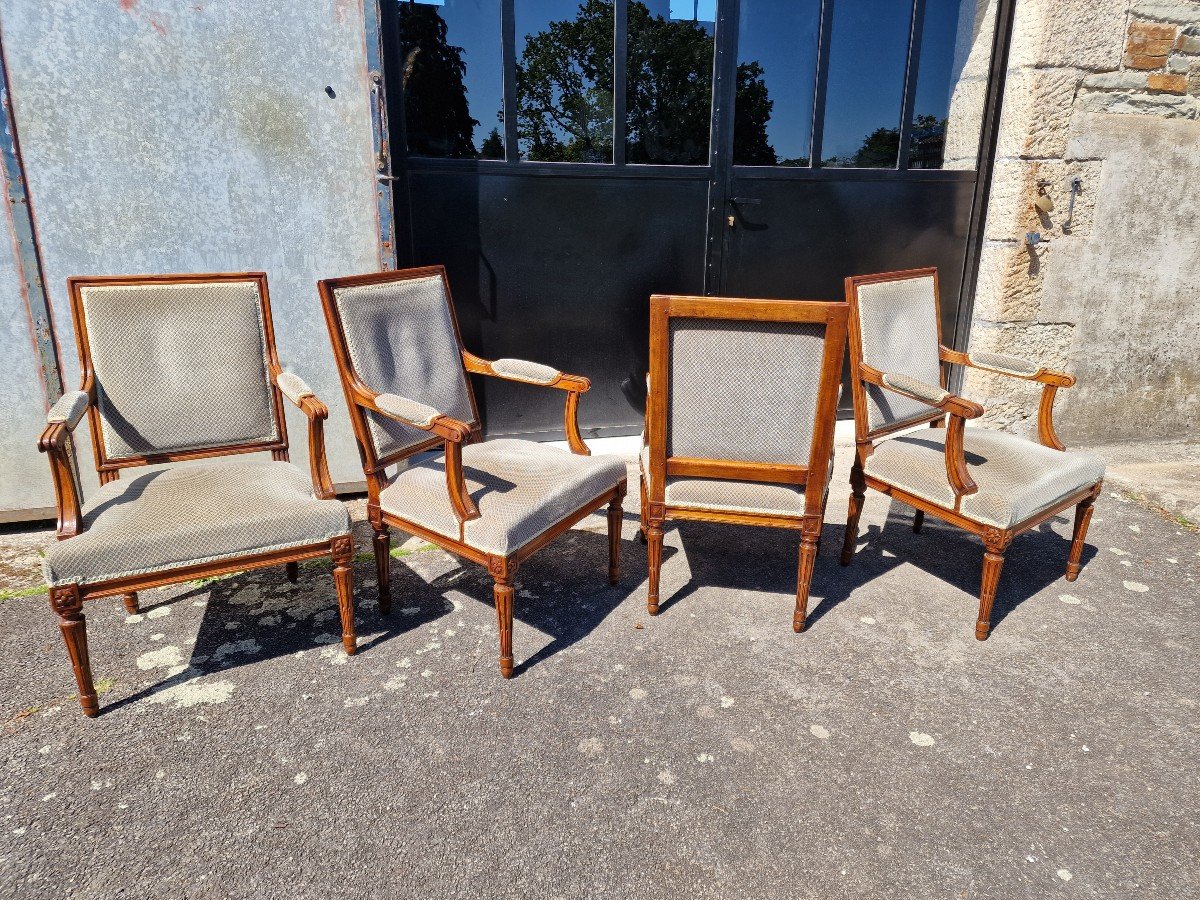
567, 158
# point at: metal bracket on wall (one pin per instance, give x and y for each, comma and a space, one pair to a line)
1076, 184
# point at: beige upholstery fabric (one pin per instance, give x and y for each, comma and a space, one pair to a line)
69, 408
522, 489
402, 341
522, 370
743, 391
926, 392
730, 496
1017, 478
293, 387
898, 322
411, 410
1002, 362
179, 366
155, 521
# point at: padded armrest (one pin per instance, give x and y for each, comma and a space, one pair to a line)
523, 370
410, 411
915, 388
1003, 363
293, 387
68, 410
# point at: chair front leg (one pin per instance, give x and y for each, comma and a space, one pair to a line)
131, 602
654, 542
503, 573
809, 541
343, 579
1083, 518
615, 515
995, 542
67, 602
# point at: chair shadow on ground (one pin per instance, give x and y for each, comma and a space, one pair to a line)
562, 592
765, 559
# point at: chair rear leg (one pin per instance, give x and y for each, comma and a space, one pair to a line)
615, 515
1083, 518
809, 543
993, 562
292, 570
643, 508
67, 602
654, 542
503, 593
343, 580
918, 520
858, 492
383, 566
131, 602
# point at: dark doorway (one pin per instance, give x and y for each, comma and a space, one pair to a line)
565, 159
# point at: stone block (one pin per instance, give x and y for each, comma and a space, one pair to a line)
1084, 34
1009, 284
1183, 12
1037, 112
1116, 81
1182, 63
1168, 106
1168, 83
1144, 62
1188, 43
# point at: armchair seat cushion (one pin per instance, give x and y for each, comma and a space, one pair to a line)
1016, 477
161, 520
722, 495
522, 489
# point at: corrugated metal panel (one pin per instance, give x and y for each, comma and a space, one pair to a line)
202, 136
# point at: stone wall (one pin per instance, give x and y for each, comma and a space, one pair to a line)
1107, 91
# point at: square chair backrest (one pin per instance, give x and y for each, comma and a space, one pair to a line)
181, 366
895, 328
396, 333
743, 389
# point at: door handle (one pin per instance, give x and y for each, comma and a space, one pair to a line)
745, 201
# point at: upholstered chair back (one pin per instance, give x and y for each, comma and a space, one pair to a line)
899, 328
743, 391
178, 366
401, 338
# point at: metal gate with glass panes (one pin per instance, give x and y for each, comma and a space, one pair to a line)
565, 159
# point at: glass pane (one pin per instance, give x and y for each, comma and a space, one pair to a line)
777, 70
454, 78
565, 80
868, 50
952, 76
669, 81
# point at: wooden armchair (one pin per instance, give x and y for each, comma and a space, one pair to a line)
182, 367
739, 423
404, 371
992, 484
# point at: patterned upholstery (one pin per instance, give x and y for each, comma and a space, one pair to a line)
1016, 477
1002, 362
160, 520
898, 323
69, 408
402, 340
926, 392
730, 496
293, 387
743, 391
179, 366
417, 413
522, 370
521, 488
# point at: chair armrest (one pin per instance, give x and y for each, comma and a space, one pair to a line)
64, 415
959, 408
297, 390
426, 418
544, 376
1015, 367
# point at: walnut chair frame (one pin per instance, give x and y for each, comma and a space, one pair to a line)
56, 442
813, 476
951, 412
451, 434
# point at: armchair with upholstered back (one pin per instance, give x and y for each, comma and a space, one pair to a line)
404, 371
739, 421
991, 483
179, 369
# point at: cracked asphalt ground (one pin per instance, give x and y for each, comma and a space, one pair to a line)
708, 752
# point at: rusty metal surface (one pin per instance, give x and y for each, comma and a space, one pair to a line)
194, 136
